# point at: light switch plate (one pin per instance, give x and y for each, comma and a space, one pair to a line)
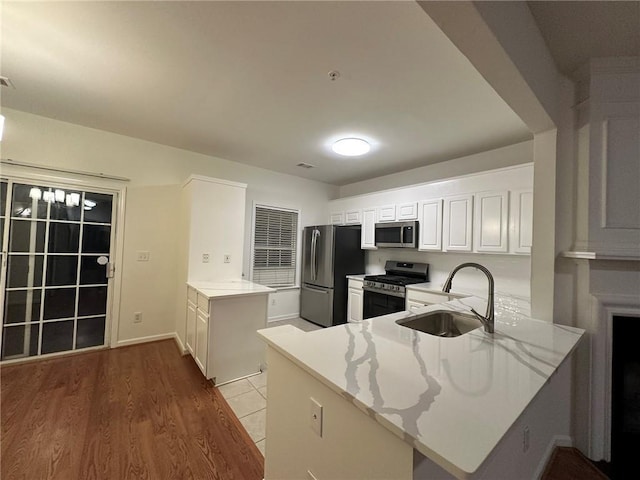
315, 416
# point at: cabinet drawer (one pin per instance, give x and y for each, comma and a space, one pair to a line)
192, 295
426, 298
356, 283
203, 303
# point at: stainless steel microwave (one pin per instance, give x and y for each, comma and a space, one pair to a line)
397, 234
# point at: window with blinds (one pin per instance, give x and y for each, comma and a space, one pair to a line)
274, 246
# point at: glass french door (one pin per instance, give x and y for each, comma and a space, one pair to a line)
56, 250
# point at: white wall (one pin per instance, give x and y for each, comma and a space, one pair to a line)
151, 217
508, 156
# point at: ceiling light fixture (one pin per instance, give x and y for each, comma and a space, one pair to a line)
351, 147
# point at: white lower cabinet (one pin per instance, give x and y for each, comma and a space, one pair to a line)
202, 343
354, 300
191, 327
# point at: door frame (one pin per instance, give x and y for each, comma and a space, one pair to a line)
94, 184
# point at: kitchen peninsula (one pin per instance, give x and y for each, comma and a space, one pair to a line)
378, 400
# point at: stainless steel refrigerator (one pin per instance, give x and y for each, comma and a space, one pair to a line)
329, 254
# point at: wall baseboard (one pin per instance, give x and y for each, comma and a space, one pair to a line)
150, 338
286, 316
179, 344
557, 441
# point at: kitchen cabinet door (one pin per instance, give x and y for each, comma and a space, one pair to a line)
521, 222
368, 233
407, 211
457, 223
430, 216
490, 233
202, 340
336, 218
191, 328
354, 305
387, 213
353, 217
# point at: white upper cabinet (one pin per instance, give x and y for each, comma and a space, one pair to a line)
457, 223
368, 232
353, 217
387, 213
336, 218
490, 231
521, 222
407, 211
430, 216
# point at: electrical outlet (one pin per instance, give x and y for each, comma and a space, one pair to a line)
273, 302
525, 439
137, 317
315, 416
143, 256
227, 258
205, 258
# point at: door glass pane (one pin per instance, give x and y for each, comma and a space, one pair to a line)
15, 337
67, 206
59, 303
90, 332
23, 233
91, 272
62, 270
64, 237
24, 271
22, 202
18, 303
3, 197
97, 207
96, 239
57, 336
92, 301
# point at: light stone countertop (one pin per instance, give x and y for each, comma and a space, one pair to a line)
357, 277
229, 288
428, 390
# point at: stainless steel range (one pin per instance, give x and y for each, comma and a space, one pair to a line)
385, 294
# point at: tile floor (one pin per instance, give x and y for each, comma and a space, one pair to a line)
247, 397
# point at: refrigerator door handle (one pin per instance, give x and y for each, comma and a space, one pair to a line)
315, 255
318, 290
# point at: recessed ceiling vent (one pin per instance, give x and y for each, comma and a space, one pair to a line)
5, 82
305, 165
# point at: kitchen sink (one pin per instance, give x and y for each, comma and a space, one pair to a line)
442, 323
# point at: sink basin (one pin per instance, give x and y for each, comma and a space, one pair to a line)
442, 323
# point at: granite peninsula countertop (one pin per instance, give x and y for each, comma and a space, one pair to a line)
229, 288
452, 399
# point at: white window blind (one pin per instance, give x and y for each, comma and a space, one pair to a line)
274, 246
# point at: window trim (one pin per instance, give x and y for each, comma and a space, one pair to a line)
256, 205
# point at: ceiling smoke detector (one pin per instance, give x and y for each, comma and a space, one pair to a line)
305, 165
333, 75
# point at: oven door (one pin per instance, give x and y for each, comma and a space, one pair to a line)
376, 304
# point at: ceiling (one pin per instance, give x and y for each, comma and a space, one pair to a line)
576, 31
248, 81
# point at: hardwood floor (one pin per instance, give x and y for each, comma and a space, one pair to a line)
567, 463
139, 412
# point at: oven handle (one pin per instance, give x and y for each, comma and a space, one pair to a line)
384, 292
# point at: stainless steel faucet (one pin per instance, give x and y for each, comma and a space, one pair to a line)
488, 320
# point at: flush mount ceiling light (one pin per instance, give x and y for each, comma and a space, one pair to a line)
351, 147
